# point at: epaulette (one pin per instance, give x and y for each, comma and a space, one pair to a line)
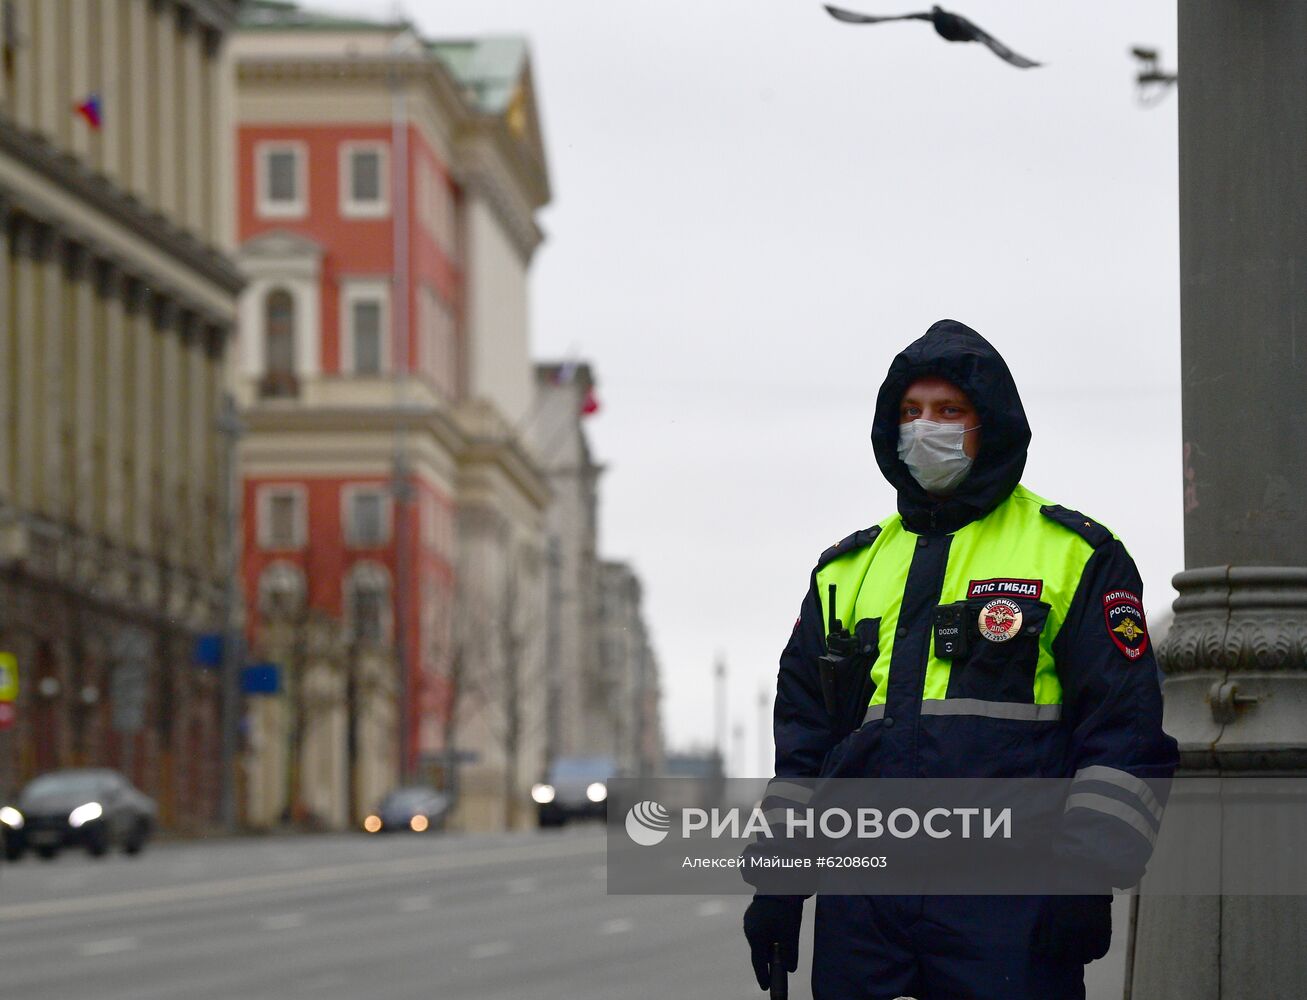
1086, 527
857, 540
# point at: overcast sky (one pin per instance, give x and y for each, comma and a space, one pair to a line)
755, 207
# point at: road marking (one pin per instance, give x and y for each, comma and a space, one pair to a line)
112, 946
281, 881
281, 921
619, 926
711, 908
415, 904
491, 949
522, 886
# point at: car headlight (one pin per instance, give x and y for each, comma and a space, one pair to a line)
11, 817
542, 794
84, 813
372, 824
597, 791
418, 824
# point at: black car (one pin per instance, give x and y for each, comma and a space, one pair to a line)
574, 788
95, 808
417, 808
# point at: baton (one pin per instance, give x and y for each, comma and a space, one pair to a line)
780, 982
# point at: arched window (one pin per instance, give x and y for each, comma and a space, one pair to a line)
279, 344
281, 590
367, 602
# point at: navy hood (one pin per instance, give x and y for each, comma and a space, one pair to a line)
954, 351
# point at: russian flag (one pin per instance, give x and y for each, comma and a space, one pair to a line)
89, 109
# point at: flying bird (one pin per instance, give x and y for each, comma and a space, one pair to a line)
951, 27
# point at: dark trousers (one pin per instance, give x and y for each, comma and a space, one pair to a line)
935, 948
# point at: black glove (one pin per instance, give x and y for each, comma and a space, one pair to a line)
1074, 928
773, 920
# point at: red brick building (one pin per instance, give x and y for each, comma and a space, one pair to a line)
386, 195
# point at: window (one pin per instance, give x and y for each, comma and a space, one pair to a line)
281, 181
365, 318
363, 180
367, 602
282, 517
281, 590
367, 517
279, 345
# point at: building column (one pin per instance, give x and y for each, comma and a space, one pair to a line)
114, 400
138, 155
51, 251
25, 247
191, 123
139, 440
8, 370
169, 438
86, 379
163, 93
113, 82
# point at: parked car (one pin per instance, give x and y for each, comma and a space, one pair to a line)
11, 825
95, 808
574, 788
417, 808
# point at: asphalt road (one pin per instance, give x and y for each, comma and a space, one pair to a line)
508, 917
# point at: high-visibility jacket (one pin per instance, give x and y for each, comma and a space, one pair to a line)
1057, 678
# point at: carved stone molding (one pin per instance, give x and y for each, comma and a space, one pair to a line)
1238, 619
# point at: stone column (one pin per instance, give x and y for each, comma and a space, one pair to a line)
1236, 656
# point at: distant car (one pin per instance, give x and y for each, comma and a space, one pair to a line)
417, 808
95, 808
574, 788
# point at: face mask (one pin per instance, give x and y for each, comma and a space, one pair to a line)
933, 454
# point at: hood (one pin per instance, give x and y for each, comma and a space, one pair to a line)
954, 351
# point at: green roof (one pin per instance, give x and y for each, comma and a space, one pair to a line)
278, 14
487, 68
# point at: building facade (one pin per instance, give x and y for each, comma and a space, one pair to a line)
393, 543
627, 697
573, 663
117, 303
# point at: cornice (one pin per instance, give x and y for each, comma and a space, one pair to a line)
217, 14
97, 192
384, 70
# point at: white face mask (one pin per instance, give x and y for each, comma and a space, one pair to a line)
933, 454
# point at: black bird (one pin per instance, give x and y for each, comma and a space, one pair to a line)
952, 27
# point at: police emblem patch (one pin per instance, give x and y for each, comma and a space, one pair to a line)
1000, 620
1124, 614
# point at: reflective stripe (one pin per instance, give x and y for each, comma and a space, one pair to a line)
1125, 780
874, 712
991, 709
788, 790
1112, 807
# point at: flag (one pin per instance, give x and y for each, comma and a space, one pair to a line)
89, 109
590, 404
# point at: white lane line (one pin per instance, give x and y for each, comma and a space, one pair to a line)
711, 908
522, 886
354, 872
414, 904
621, 925
112, 946
281, 921
491, 949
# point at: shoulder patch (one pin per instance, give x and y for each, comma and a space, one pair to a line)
1124, 614
857, 540
1086, 527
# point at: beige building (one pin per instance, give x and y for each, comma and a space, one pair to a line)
388, 187
117, 302
628, 696
573, 663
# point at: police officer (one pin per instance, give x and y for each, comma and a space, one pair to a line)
1053, 676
